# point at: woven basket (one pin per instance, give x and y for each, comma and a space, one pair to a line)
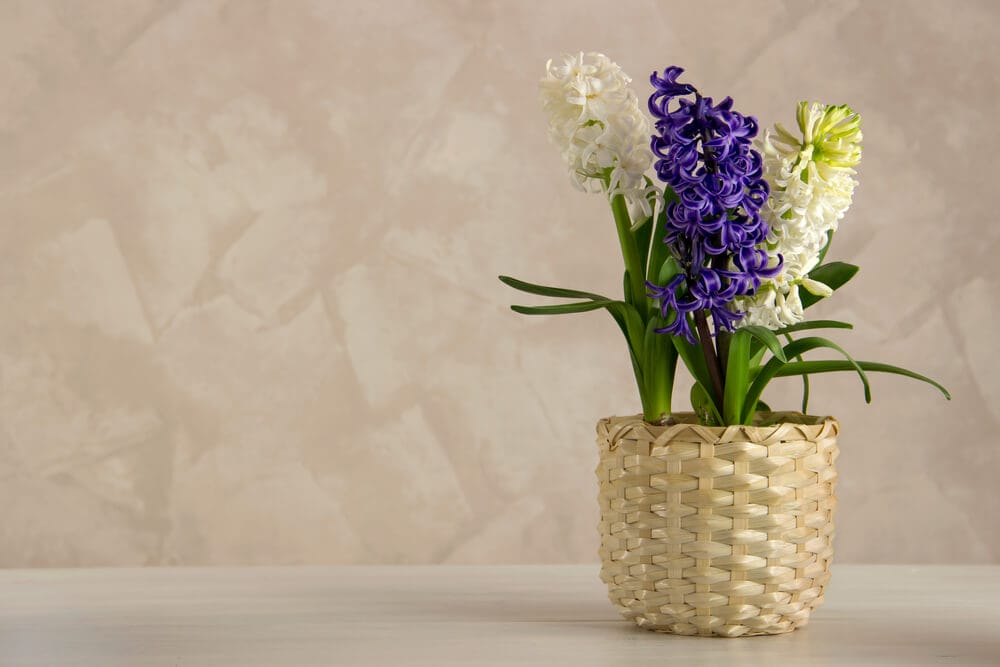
723, 531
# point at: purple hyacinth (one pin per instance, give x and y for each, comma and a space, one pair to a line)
704, 153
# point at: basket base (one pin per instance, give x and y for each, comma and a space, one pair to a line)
724, 631
714, 626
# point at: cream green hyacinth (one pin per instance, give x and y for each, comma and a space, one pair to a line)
811, 176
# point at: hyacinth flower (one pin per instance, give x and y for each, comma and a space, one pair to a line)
714, 227
813, 185
715, 253
602, 133
596, 122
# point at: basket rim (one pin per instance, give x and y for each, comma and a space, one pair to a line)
761, 419
611, 430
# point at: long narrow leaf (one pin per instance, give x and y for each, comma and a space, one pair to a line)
652, 194
635, 292
649, 347
670, 268
704, 407
643, 231
563, 309
757, 347
737, 378
694, 361
835, 365
642, 223
813, 324
658, 250
770, 370
660, 365
640, 382
627, 318
767, 338
630, 323
630, 298
805, 383
826, 246
633, 322
722, 349
543, 290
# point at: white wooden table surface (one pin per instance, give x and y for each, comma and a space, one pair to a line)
533, 615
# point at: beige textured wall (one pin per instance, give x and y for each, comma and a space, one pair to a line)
248, 307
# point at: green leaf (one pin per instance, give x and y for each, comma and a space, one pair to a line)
722, 349
660, 364
771, 369
543, 290
767, 337
649, 343
834, 365
633, 328
805, 383
563, 309
627, 318
813, 324
639, 225
826, 247
702, 404
695, 363
635, 294
637, 371
658, 250
737, 378
757, 348
763, 407
652, 191
835, 275
693, 359
667, 272
627, 290
630, 323
643, 231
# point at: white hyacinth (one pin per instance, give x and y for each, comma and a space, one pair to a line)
596, 122
812, 185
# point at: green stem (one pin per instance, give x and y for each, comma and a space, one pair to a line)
630, 253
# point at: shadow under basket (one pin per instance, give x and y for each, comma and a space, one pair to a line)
717, 531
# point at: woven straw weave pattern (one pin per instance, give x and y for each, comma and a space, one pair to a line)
722, 531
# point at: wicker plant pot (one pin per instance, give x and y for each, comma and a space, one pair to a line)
717, 531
